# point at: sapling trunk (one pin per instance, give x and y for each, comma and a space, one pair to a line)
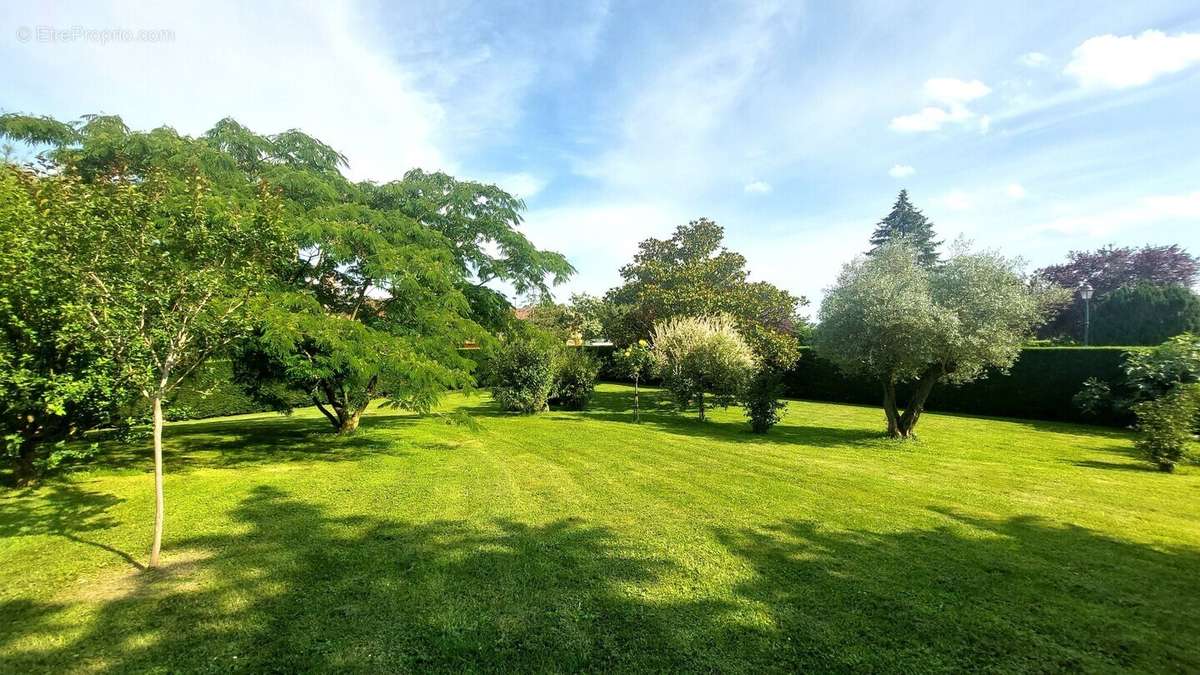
701, 405
158, 480
637, 411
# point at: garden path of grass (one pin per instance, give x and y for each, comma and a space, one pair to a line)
573, 541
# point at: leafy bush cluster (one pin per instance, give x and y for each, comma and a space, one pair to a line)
529, 373
574, 380
522, 373
1166, 425
763, 404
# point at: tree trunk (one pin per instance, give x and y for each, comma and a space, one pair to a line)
701, 406
637, 411
916, 405
24, 471
158, 480
349, 421
889, 409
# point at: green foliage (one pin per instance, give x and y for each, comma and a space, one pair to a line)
481, 224
1144, 314
907, 223
585, 317
635, 362
702, 355
1166, 425
692, 274
1151, 373
55, 380
211, 391
372, 308
522, 372
36, 130
1146, 375
574, 380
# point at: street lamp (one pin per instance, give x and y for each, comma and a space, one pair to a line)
1085, 292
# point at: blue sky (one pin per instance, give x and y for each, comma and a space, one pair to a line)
1030, 127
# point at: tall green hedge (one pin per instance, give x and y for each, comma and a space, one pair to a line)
1040, 385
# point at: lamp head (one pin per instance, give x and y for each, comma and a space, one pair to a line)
1086, 290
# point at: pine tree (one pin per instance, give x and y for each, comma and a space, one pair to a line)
907, 221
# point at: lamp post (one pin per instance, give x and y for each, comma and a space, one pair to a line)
1085, 292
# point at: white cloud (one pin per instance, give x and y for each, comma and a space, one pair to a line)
757, 187
928, 119
1149, 210
519, 184
950, 91
1034, 59
952, 96
955, 200
1015, 190
388, 95
901, 171
1117, 62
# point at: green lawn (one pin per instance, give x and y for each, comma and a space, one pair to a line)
581, 541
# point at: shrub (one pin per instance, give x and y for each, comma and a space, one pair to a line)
574, 380
1146, 375
1166, 424
522, 374
763, 406
699, 355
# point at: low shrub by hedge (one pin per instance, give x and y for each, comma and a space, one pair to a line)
1040, 384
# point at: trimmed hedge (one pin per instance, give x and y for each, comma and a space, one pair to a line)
1040, 385
211, 392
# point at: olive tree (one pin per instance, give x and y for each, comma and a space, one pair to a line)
702, 355
894, 319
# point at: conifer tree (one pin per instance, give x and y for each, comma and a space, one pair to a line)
908, 222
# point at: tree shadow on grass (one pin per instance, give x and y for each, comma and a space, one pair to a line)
1015, 595
301, 591
64, 510
238, 442
298, 590
1118, 466
658, 412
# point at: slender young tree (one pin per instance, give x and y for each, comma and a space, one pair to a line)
637, 363
906, 221
172, 268
172, 242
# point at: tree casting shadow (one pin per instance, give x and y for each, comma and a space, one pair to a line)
298, 589
66, 511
